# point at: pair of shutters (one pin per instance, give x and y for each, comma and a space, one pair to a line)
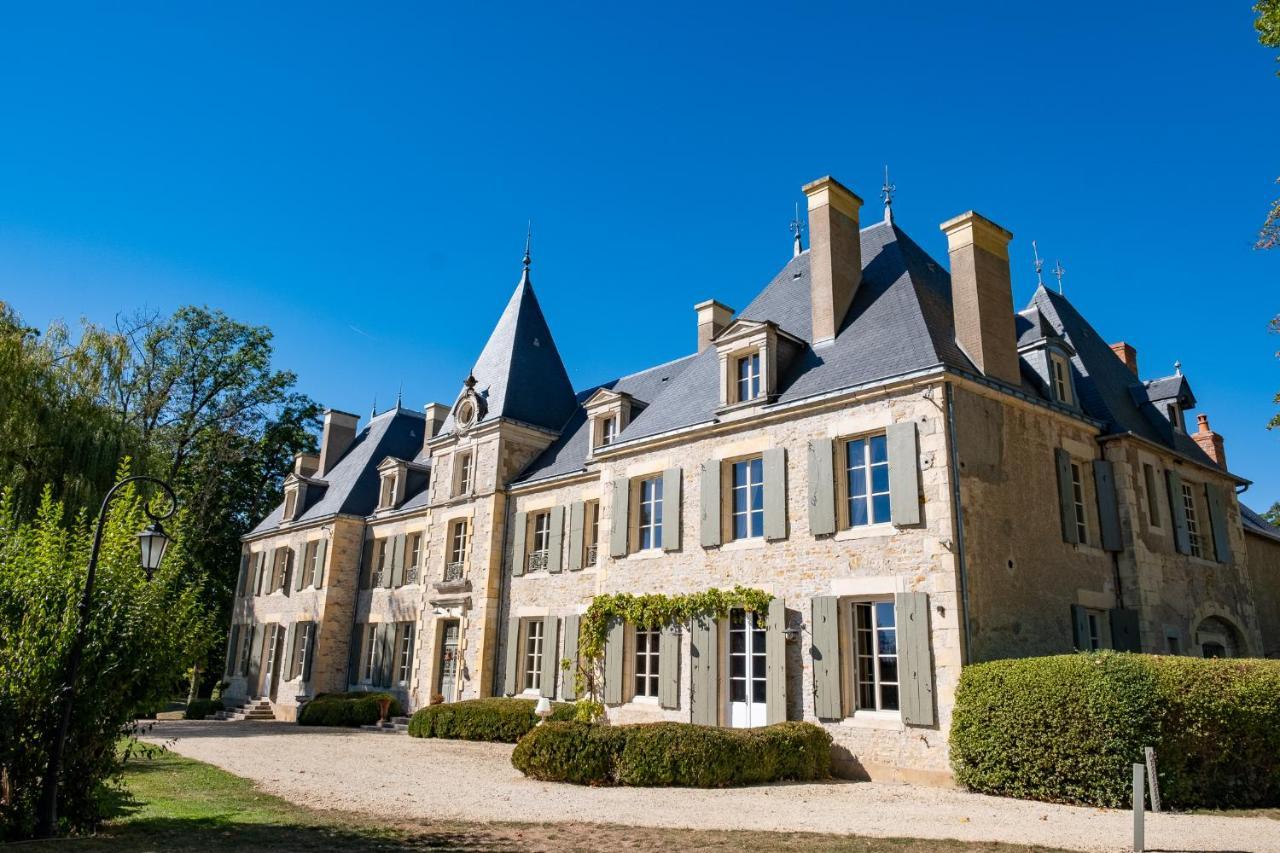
384, 653
577, 525
1217, 518
668, 666
1125, 635
555, 540
512, 678
255, 657
260, 573
704, 667
903, 447
774, 469
1104, 483
915, 665
312, 574
620, 518
300, 638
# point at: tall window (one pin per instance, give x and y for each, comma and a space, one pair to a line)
650, 526
541, 543
1153, 506
749, 377
462, 485
388, 491
1095, 630
875, 641
748, 498
647, 662
1061, 379
303, 647
608, 430
280, 575
1193, 523
381, 559
592, 539
290, 504
457, 550
370, 648
867, 472
404, 653
533, 655
246, 652
1077, 499
413, 553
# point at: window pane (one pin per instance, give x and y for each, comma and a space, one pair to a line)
739, 473
884, 614
879, 449
757, 496
858, 481
880, 508
757, 641
737, 691
757, 691
889, 669
858, 511
889, 698
856, 452
737, 642
740, 527
879, 478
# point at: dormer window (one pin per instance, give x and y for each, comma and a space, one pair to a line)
1060, 373
290, 504
608, 430
749, 376
1174, 412
610, 412
751, 354
387, 497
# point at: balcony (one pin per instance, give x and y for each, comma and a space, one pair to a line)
410, 575
453, 571
454, 587
538, 561
591, 555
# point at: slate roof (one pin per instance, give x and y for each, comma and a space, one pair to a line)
1255, 523
352, 484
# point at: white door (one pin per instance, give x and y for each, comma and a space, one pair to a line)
746, 671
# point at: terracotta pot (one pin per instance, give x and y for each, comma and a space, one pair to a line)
384, 705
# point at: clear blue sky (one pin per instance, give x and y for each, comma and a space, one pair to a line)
358, 176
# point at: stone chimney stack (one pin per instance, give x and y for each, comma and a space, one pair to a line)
339, 432
1128, 355
835, 254
712, 318
436, 414
305, 464
982, 296
1210, 442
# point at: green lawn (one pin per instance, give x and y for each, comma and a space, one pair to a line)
170, 803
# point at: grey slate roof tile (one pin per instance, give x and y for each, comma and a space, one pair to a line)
1255, 523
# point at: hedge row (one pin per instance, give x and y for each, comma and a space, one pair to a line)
1067, 728
346, 709
673, 754
501, 720
198, 709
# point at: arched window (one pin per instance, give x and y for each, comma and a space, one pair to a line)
1218, 638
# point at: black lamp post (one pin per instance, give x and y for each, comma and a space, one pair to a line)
153, 542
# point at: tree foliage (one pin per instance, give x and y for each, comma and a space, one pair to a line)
1268, 26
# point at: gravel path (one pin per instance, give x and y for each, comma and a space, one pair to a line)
399, 777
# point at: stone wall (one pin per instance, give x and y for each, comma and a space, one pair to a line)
1264, 576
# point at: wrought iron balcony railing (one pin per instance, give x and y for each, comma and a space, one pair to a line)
591, 555
538, 561
453, 571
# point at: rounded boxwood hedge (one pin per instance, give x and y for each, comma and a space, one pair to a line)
346, 709
1068, 728
500, 720
198, 709
673, 754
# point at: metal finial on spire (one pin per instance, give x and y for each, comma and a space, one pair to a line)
373, 413
886, 193
1035, 250
1059, 272
400, 395
528, 242
1177, 368
795, 231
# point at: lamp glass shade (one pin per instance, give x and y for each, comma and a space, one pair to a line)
153, 542
544, 707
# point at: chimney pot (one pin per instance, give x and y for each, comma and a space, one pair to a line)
339, 432
305, 464
1127, 354
1209, 441
982, 294
713, 317
835, 254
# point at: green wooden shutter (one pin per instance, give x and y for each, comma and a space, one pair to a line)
1125, 631
260, 562
387, 647
395, 577
550, 660
1104, 482
1218, 523
822, 485
775, 648
521, 523
509, 687
710, 504
671, 509
322, 553
669, 667
255, 660
555, 540
613, 663
577, 511
704, 672
775, 493
286, 666
572, 625
915, 664
825, 650
233, 646
620, 518
300, 572
1080, 627
311, 651
243, 577
353, 654
1066, 499
1181, 535
904, 473
366, 562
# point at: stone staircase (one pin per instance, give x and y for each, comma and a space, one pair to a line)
250, 709
393, 726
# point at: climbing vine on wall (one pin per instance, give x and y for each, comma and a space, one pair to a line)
654, 610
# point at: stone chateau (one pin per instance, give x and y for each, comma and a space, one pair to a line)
921, 475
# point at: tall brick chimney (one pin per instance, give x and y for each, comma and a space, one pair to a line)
835, 254
339, 432
981, 295
1128, 355
1210, 442
713, 316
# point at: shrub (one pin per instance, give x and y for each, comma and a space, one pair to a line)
679, 754
501, 720
1067, 728
201, 708
346, 709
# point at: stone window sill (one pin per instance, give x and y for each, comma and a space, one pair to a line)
866, 531
646, 554
755, 543
884, 720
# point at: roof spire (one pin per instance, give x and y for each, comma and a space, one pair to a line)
528, 242
886, 193
1177, 368
373, 413
1058, 273
400, 395
1035, 250
795, 231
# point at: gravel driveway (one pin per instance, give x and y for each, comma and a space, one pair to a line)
399, 777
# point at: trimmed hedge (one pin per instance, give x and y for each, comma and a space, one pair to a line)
346, 709
201, 708
1067, 728
500, 720
673, 754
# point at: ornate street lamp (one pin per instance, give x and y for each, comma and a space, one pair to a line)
152, 543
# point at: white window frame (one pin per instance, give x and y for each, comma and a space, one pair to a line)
404, 653
869, 468
747, 376
305, 630
871, 659
591, 541
649, 513
1194, 538
290, 504
539, 541
381, 561
367, 673
388, 495
531, 654
646, 663
412, 556
608, 430
752, 465
463, 482
1061, 374
1078, 502
458, 539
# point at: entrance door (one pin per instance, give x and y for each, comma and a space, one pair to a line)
747, 671
447, 665
271, 676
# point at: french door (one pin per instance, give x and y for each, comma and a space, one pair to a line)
447, 681
271, 677
747, 670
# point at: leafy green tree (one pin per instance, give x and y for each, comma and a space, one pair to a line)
1268, 27
1272, 515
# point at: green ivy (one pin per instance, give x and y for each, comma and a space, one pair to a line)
653, 610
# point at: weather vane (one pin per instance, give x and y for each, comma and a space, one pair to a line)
886, 193
796, 225
1058, 273
1035, 250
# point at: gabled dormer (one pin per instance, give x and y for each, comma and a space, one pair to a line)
1166, 400
1049, 356
752, 354
301, 487
609, 412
